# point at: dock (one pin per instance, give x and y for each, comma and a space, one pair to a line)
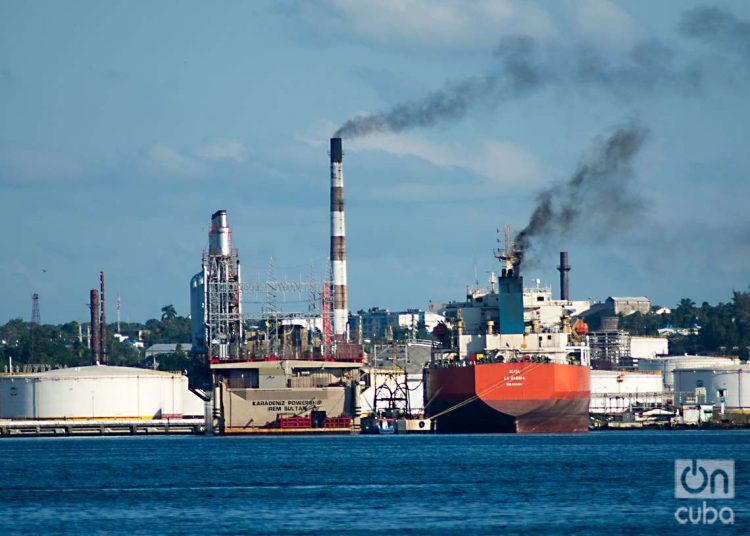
100, 427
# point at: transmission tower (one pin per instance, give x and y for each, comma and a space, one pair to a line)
35, 318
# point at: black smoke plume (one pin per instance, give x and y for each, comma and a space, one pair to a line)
515, 76
600, 189
522, 67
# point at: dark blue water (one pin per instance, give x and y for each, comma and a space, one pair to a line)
606, 482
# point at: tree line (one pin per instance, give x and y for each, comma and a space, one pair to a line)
721, 329
66, 344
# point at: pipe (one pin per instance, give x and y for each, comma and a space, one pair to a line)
338, 243
94, 326
564, 268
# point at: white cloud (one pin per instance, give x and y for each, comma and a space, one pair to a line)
451, 24
501, 162
602, 22
161, 159
222, 150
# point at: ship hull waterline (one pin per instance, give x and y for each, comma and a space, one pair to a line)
508, 398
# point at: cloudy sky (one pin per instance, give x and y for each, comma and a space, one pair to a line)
124, 125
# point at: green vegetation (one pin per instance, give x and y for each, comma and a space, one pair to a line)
709, 329
62, 345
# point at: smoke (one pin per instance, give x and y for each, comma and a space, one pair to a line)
716, 26
521, 67
516, 75
600, 188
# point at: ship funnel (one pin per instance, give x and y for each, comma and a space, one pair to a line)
338, 243
564, 268
510, 284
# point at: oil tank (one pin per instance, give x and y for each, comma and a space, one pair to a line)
97, 392
668, 365
729, 384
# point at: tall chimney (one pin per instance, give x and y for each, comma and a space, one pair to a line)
564, 268
338, 243
220, 235
94, 326
103, 323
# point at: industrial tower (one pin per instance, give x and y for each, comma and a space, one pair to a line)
216, 293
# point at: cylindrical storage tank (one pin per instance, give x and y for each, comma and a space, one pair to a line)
714, 385
95, 392
667, 365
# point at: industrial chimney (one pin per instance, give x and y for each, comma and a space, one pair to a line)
564, 268
94, 326
220, 235
102, 323
338, 243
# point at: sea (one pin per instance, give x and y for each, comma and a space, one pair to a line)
611, 483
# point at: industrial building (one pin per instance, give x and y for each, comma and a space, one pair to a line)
615, 391
377, 323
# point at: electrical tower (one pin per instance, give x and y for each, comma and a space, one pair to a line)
35, 318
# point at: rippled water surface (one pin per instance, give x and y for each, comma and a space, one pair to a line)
605, 482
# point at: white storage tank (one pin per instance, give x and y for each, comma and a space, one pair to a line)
667, 365
97, 392
729, 385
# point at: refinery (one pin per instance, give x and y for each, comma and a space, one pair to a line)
505, 358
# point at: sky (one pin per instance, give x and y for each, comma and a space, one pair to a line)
125, 125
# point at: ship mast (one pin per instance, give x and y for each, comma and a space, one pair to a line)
510, 257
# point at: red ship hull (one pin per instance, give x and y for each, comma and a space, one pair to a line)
509, 397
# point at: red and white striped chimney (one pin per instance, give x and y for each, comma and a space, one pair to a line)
338, 243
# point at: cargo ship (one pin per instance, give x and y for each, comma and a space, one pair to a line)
519, 377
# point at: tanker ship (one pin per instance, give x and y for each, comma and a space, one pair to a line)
521, 377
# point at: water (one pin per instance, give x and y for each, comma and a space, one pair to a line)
605, 482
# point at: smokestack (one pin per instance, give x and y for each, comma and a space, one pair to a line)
103, 323
338, 243
564, 268
94, 326
220, 235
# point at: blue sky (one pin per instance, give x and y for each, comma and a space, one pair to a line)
124, 125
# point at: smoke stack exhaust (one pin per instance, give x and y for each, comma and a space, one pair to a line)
94, 326
338, 243
564, 268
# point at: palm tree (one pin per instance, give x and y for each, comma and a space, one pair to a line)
168, 312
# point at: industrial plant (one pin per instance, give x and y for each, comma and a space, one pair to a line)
505, 358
